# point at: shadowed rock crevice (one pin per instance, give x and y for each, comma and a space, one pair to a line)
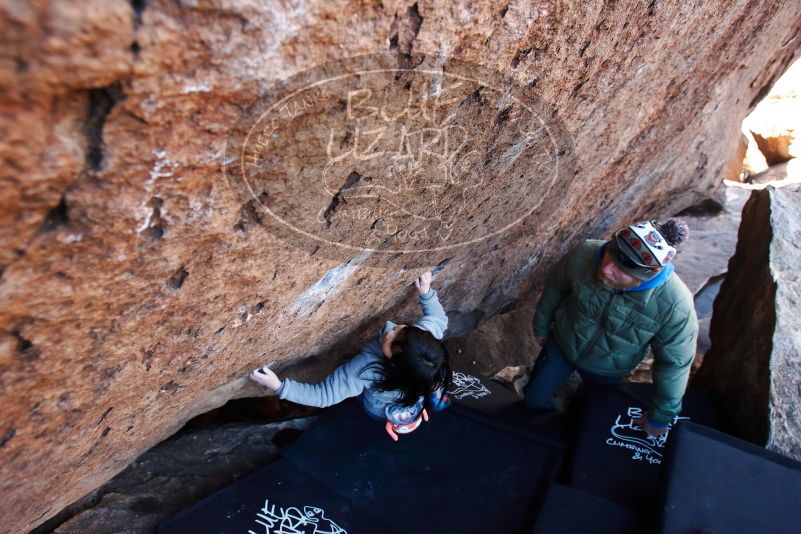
177, 279
460, 323
25, 347
738, 364
155, 227
519, 55
251, 213
104, 414
474, 98
138, 7
6, 436
101, 102
402, 33
352, 179
56, 217
708, 206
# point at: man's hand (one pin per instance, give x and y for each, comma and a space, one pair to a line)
540, 340
650, 430
266, 378
423, 283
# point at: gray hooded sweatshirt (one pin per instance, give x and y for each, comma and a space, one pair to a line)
358, 376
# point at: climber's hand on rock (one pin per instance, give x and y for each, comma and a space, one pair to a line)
423, 283
266, 377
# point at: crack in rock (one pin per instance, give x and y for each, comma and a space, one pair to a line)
101, 102
403, 32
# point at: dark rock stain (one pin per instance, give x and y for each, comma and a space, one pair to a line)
177, 279
352, 179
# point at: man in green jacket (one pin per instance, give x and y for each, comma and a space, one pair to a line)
603, 306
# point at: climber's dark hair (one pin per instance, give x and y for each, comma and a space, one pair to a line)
419, 365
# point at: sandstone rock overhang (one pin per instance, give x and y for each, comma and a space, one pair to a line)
138, 290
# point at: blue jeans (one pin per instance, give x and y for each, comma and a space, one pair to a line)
550, 371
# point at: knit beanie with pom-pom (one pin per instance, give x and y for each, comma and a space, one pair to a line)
643, 249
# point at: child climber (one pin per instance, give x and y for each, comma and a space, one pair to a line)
399, 376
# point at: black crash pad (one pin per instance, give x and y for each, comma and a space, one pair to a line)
455, 473
452, 474
615, 459
568, 510
279, 498
713, 482
479, 397
480, 393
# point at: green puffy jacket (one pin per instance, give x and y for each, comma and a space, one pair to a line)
608, 332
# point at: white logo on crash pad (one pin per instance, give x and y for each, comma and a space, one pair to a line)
278, 520
468, 386
629, 435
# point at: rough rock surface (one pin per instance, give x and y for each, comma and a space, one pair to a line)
737, 163
778, 147
776, 121
514, 377
778, 175
138, 288
176, 474
754, 161
753, 362
504, 340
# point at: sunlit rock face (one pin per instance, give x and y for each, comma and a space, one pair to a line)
775, 124
150, 259
753, 362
